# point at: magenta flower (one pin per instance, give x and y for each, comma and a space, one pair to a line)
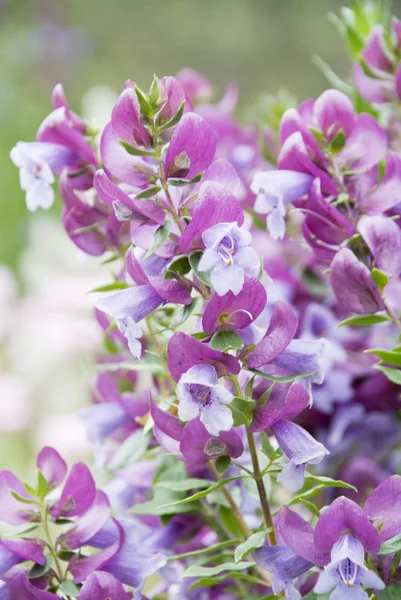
191, 148
383, 506
383, 238
227, 257
126, 118
235, 312
199, 393
353, 285
283, 566
185, 352
102, 585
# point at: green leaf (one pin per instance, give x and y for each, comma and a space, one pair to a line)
214, 548
177, 182
338, 142
160, 237
152, 191
394, 375
131, 450
249, 387
146, 109
380, 279
181, 317
143, 365
154, 91
393, 592
39, 570
179, 265
21, 498
185, 485
175, 119
329, 482
267, 448
43, 486
263, 400
196, 571
135, 151
310, 506
255, 541
391, 546
364, 320
222, 464
226, 340
331, 76
69, 588
280, 379
194, 259
388, 356
204, 493
109, 287
313, 596
242, 411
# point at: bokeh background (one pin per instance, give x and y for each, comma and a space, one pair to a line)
47, 334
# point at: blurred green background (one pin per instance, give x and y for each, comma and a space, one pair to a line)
262, 44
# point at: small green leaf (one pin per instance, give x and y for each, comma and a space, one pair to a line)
109, 287
222, 464
329, 482
194, 259
43, 486
160, 237
185, 485
338, 142
204, 493
174, 119
331, 76
21, 498
143, 365
154, 91
380, 279
196, 571
267, 448
391, 546
281, 379
213, 548
39, 570
255, 541
263, 400
134, 151
310, 506
179, 265
130, 450
146, 109
226, 340
393, 592
364, 320
249, 387
182, 316
242, 411
388, 356
69, 588
152, 191
177, 182
394, 375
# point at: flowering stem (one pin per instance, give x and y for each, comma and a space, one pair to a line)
51, 545
164, 185
262, 491
392, 315
237, 514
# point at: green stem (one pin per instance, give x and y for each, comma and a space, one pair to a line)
395, 319
164, 185
262, 491
51, 545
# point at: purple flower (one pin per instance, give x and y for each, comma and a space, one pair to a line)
347, 572
301, 448
275, 189
21, 588
126, 118
128, 307
214, 205
286, 401
77, 495
281, 330
191, 149
37, 162
198, 392
198, 445
383, 238
13, 552
384, 506
52, 466
235, 312
102, 585
185, 352
353, 285
227, 256
11, 510
88, 523
284, 566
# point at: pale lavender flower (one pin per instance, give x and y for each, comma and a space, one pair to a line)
228, 255
200, 394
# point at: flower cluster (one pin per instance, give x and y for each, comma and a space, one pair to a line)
235, 397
